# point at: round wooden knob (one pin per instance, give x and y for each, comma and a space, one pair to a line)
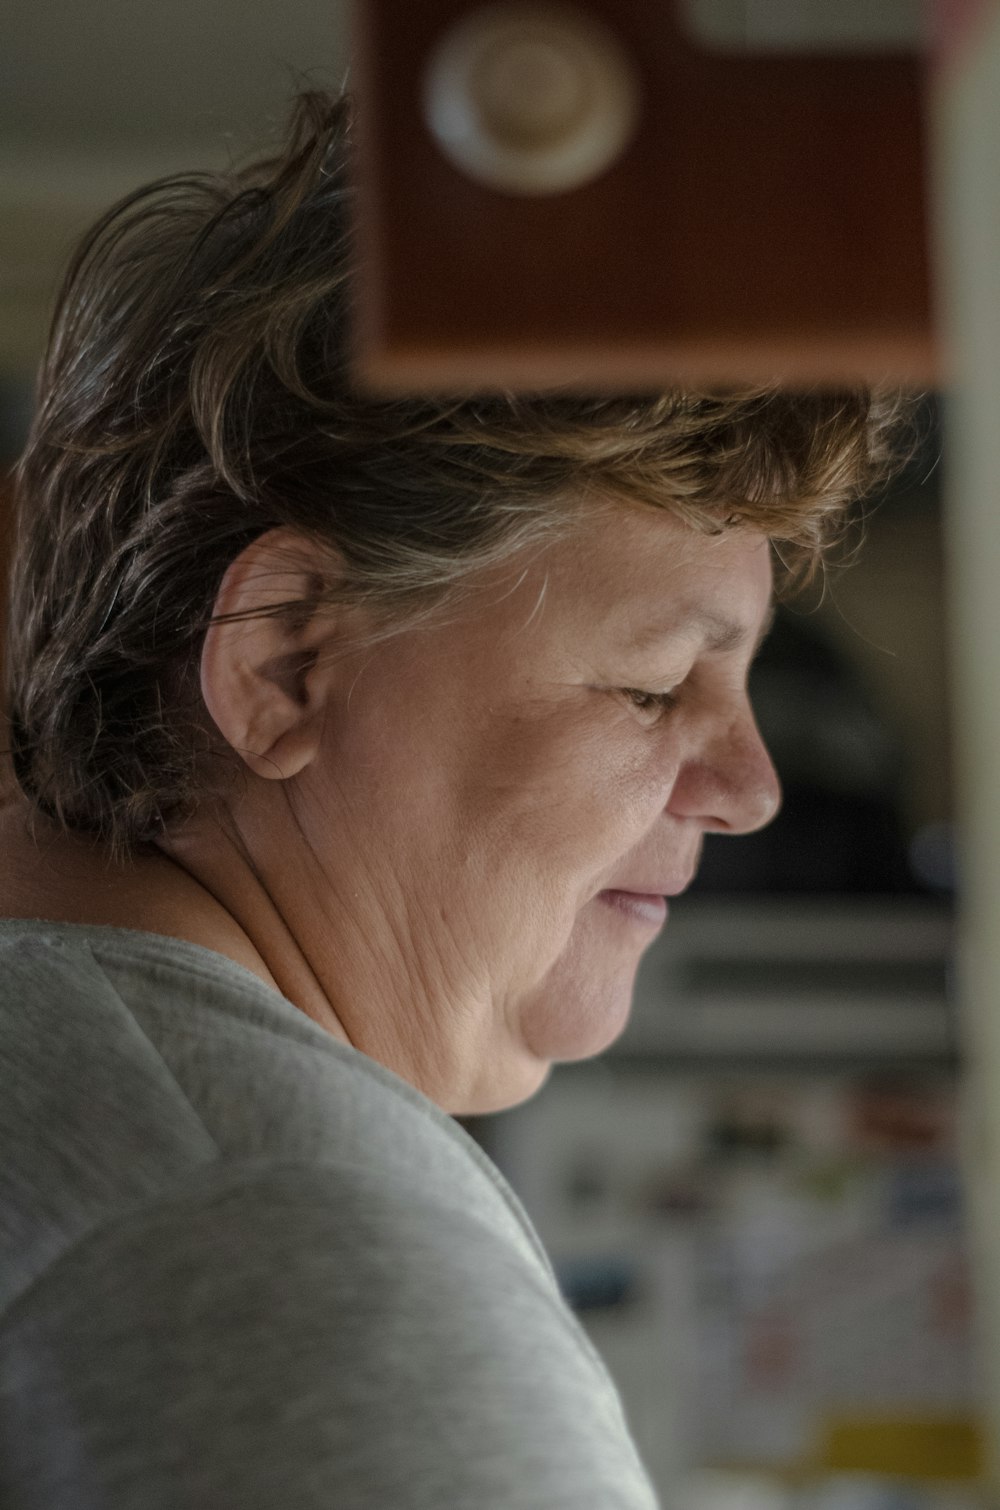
531, 99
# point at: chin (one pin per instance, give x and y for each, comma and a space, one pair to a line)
577, 1010
558, 1026
583, 1002
580, 1030
503, 1095
578, 1014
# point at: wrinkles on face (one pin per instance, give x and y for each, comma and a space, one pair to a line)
484, 782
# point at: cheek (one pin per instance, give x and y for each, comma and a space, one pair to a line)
574, 811
619, 790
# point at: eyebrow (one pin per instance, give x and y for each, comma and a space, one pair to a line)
718, 632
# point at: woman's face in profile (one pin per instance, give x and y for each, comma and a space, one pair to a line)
514, 789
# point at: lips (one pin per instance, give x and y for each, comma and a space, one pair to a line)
645, 907
644, 899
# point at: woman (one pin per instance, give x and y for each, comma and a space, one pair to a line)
360, 745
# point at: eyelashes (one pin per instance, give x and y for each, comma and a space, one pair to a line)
652, 704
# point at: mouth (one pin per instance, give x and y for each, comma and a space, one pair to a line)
647, 909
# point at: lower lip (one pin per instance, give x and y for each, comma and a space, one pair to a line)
650, 911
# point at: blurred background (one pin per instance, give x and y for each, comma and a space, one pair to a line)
755, 1198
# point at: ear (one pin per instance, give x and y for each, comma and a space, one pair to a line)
259, 678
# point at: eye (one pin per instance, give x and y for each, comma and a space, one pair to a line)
651, 704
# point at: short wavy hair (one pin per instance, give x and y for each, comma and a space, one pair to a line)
196, 393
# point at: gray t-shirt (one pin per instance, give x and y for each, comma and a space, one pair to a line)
244, 1267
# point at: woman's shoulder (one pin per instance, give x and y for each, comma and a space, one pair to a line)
312, 1337
135, 1063
208, 1199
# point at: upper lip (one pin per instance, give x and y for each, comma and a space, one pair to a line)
658, 889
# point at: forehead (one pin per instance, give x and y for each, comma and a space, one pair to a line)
641, 575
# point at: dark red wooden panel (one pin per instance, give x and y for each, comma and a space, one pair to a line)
768, 220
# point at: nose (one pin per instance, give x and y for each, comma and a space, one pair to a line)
729, 785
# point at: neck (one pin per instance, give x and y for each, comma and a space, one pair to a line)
343, 941
61, 877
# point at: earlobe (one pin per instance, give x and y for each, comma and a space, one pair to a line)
259, 677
